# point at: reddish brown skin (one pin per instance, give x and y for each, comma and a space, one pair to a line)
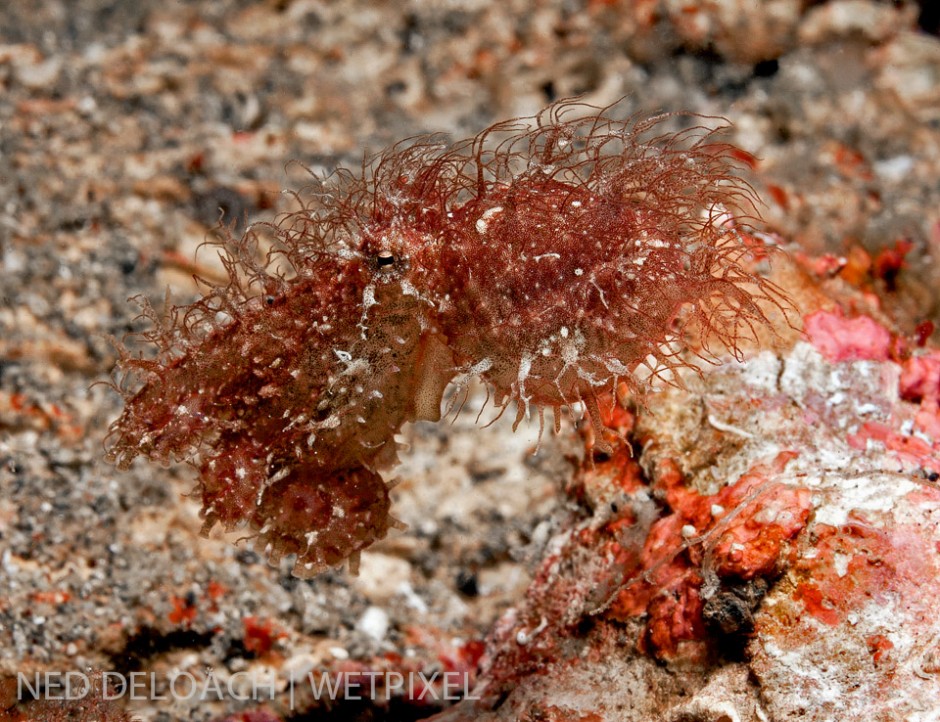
549, 257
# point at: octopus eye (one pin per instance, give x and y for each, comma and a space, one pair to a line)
385, 259
269, 300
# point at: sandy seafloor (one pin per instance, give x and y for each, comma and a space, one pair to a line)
126, 126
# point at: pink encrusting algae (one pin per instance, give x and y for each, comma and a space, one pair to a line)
847, 339
551, 258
